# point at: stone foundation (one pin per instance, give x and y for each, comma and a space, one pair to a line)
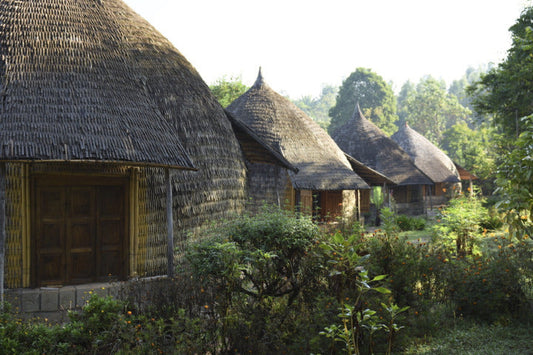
53, 303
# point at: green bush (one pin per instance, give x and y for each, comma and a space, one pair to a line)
407, 223
263, 273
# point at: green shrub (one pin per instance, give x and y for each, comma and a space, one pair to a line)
407, 223
263, 273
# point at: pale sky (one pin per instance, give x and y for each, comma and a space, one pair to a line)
303, 45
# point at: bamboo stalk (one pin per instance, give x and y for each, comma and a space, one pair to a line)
2, 230
170, 226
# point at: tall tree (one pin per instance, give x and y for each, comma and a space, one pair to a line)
408, 89
318, 108
431, 110
473, 150
374, 96
227, 90
506, 91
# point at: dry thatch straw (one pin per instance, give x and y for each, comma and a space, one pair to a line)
426, 156
364, 141
321, 164
72, 88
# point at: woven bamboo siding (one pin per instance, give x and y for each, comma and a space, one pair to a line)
16, 248
290, 196
306, 201
365, 201
266, 185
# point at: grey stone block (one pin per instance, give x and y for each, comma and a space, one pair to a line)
31, 300
49, 300
67, 298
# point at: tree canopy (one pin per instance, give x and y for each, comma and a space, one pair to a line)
227, 90
506, 90
374, 96
318, 108
430, 110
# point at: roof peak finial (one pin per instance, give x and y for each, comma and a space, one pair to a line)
357, 113
259, 81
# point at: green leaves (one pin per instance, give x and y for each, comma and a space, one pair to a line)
227, 90
372, 93
505, 91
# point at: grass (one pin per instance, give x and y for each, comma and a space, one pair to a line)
469, 338
413, 236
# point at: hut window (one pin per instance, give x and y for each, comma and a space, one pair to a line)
79, 230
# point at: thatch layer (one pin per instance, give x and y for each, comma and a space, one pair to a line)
364, 141
71, 87
426, 156
321, 164
254, 148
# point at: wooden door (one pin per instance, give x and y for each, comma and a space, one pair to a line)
330, 205
79, 230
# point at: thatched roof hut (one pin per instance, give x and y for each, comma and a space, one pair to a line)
426, 156
94, 101
365, 142
321, 165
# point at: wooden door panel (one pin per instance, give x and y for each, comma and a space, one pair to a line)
51, 269
79, 230
81, 202
81, 268
50, 258
111, 225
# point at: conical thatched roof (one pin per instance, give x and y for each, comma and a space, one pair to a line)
72, 86
364, 141
321, 164
426, 156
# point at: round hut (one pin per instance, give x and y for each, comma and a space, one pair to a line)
363, 140
324, 183
101, 120
430, 160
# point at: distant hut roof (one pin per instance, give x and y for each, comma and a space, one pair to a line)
465, 174
73, 86
364, 141
321, 164
426, 156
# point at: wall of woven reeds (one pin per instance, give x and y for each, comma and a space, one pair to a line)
267, 185
16, 243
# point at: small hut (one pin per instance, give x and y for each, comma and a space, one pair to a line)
322, 182
101, 122
433, 162
365, 142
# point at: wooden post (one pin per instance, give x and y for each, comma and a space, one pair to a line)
297, 201
170, 226
2, 230
359, 206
